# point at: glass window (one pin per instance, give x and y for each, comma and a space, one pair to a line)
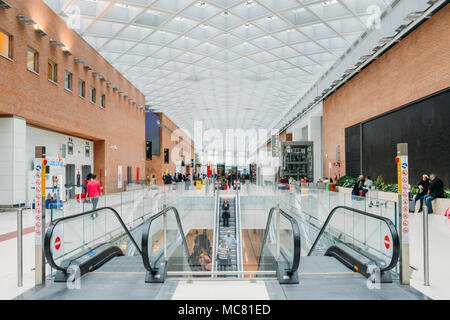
5, 44
32, 60
81, 88
51, 71
68, 80
102, 100
93, 95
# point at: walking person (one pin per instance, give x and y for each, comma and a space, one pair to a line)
222, 257
423, 186
226, 213
436, 190
94, 190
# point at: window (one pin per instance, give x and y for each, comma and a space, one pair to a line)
32, 60
5, 44
68, 80
51, 71
81, 88
166, 155
93, 95
102, 100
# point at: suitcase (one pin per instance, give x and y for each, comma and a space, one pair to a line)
412, 203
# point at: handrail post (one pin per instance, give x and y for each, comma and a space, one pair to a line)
426, 253
165, 231
278, 231
19, 248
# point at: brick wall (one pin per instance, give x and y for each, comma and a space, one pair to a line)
48, 105
417, 66
169, 140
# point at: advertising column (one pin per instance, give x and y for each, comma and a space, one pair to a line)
403, 209
39, 214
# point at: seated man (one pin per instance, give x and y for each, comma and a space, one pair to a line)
436, 190
358, 188
423, 186
368, 185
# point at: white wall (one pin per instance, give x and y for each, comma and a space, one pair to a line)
12, 162
53, 142
312, 120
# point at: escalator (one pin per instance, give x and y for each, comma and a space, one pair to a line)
100, 240
82, 243
221, 231
364, 243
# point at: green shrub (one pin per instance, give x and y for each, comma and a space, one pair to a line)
379, 183
447, 194
346, 182
390, 188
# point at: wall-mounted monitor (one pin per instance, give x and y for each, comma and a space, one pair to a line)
153, 132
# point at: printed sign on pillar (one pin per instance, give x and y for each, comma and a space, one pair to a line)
405, 197
38, 201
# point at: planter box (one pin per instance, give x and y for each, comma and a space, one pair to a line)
439, 205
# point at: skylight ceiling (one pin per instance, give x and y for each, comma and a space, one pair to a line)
231, 63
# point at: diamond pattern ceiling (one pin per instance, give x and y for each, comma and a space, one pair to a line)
231, 63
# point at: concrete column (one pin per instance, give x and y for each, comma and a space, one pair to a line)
315, 135
12, 161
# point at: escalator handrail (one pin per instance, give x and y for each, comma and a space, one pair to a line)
145, 237
390, 225
52, 226
295, 234
216, 230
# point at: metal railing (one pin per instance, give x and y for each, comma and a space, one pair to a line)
54, 223
293, 262
388, 222
240, 260
145, 237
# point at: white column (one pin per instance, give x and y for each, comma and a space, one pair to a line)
315, 135
12, 160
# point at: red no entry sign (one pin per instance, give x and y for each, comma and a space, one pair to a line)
387, 242
57, 243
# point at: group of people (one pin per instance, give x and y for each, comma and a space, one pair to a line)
93, 191
202, 251
362, 186
430, 188
176, 177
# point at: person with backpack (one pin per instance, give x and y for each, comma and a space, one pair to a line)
226, 213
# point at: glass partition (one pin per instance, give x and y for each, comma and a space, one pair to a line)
373, 236
70, 238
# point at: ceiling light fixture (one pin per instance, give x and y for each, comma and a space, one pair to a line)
201, 4
122, 5
25, 20
38, 29
179, 18
270, 18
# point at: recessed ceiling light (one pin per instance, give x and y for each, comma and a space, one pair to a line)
122, 5
203, 26
201, 4
328, 2
179, 18
250, 4
290, 30
247, 25
270, 18
225, 13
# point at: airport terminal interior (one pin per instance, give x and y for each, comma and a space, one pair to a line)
224, 150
